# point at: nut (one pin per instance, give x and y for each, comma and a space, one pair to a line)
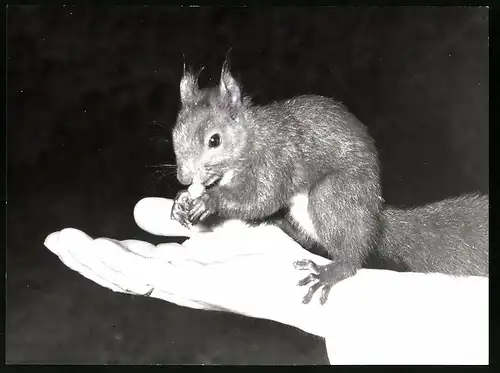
196, 190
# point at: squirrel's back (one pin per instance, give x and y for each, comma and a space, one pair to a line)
317, 134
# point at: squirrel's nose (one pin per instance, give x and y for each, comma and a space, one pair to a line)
185, 177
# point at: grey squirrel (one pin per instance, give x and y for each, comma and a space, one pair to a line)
310, 166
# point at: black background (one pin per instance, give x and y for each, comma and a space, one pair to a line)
93, 93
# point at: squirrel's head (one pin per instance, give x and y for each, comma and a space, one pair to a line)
210, 135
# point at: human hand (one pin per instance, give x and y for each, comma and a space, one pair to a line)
236, 268
374, 317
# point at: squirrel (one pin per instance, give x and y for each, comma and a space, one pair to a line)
310, 166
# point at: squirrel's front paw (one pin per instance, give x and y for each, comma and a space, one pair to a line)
181, 208
325, 276
200, 208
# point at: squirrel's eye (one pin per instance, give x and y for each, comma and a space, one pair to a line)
214, 141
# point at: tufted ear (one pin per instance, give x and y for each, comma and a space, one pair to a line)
189, 88
230, 90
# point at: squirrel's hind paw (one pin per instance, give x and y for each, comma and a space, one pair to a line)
323, 276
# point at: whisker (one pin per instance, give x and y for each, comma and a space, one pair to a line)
164, 165
154, 123
165, 172
161, 177
155, 138
162, 174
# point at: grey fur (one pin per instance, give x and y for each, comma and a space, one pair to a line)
313, 144
449, 236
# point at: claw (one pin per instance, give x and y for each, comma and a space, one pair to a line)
181, 217
310, 293
205, 215
306, 264
324, 293
325, 275
308, 279
175, 214
185, 222
197, 209
181, 207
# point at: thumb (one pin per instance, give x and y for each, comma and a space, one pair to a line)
152, 214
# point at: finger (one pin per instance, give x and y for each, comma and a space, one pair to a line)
324, 293
196, 211
205, 215
60, 243
180, 216
180, 301
308, 279
110, 261
183, 219
112, 264
175, 213
116, 256
306, 264
153, 215
159, 269
54, 243
144, 249
183, 204
310, 293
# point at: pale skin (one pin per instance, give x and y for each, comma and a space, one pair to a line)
414, 318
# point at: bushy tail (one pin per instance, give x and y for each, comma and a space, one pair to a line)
450, 236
